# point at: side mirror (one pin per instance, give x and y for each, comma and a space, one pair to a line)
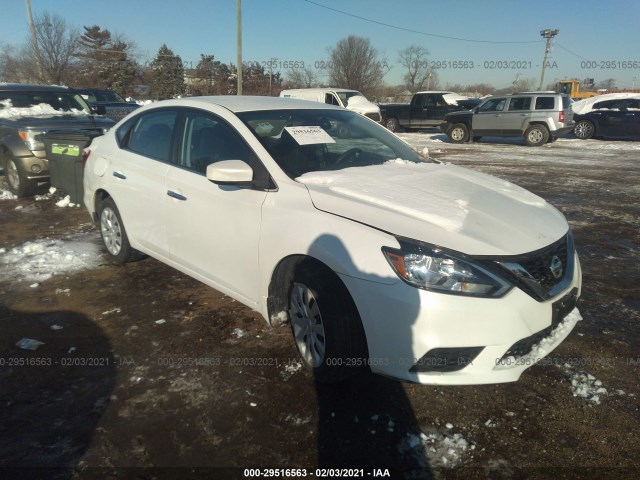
230, 172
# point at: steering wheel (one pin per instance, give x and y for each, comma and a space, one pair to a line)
352, 152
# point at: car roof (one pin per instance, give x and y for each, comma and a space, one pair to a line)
248, 103
13, 87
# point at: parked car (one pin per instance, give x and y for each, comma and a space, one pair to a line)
342, 97
610, 118
427, 109
107, 102
28, 111
538, 117
376, 257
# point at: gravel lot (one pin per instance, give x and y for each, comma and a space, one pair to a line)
154, 375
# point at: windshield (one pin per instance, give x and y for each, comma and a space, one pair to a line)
332, 140
53, 102
345, 96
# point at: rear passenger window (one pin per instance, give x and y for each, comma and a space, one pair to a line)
152, 133
545, 103
520, 103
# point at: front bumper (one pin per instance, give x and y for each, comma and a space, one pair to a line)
403, 324
36, 167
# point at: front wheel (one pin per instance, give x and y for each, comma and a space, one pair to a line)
114, 236
584, 130
17, 180
536, 135
325, 325
458, 133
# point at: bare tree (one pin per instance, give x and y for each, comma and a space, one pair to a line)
354, 63
17, 65
56, 47
302, 78
415, 59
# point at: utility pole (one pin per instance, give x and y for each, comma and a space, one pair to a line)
34, 41
239, 46
548, 35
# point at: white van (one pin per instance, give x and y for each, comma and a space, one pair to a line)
342, 97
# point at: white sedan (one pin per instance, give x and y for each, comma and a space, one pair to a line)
314, 215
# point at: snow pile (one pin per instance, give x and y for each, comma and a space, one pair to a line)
6, 195
452, 98
238, 333
290, 369
443, 449
39, 260
585, 385
66, 202
7, 110
586, 105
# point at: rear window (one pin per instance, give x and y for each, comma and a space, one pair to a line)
545, 103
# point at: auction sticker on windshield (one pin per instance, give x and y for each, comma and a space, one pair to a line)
309, 135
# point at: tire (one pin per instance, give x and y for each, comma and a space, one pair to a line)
16, 179
114, 236
536, 135
325, 324
458, 133
552, 138
392, 124
584, 130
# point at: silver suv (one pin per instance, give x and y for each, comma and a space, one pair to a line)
539, 117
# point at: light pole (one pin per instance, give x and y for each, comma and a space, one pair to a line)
239, 45
548, 35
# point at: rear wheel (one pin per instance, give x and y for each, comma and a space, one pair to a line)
536, 135
114, 236
17, 179
458, 133
326, 326
584, 129
392, 124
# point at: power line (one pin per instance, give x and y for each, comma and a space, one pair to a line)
414, 31
572, 53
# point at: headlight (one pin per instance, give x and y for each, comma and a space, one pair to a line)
29, 138
433, 269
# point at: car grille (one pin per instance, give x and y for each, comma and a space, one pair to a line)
544, 273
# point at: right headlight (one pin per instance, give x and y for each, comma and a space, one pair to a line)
433, 269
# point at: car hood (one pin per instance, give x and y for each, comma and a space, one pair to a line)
439, 204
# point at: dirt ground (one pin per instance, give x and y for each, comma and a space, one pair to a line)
155, 375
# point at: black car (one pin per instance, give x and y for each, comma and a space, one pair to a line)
107, 102
610, 118
26, 113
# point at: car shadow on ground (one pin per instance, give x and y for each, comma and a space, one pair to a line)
53, 397
367, 421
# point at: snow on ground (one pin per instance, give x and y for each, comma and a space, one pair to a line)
6, 195
443, 448
39, 260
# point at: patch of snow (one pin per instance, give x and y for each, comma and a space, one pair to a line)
585, 385
65, 202
291, 369
238, 333
112, 310
7, 110
39, 260
7, 195
443, 449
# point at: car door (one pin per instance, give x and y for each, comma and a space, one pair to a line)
488, 118
436, 108
516, 117
213, 229
138, 172
631, 118
418, 111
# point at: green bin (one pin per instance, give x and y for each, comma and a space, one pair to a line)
64, 152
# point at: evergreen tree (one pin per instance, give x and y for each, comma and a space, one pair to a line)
167, 74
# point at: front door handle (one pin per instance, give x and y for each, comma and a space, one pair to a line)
176, 195
119, 175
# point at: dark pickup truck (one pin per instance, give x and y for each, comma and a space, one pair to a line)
107, 102
27, 112
427, 109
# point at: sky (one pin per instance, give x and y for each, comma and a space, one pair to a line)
491, 41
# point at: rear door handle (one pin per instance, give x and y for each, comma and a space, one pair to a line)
176, 195
119, 175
